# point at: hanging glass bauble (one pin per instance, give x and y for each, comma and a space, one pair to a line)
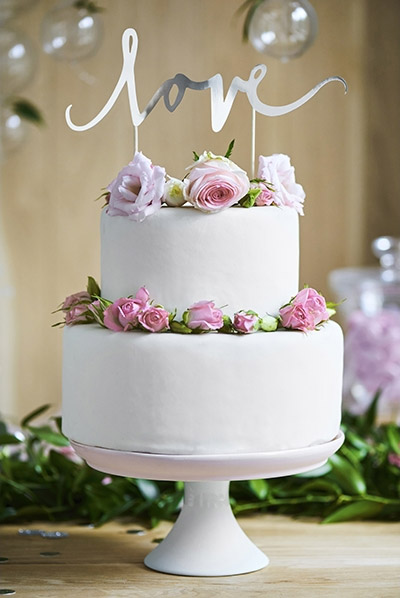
11, 8
283, 29
17, 61
71, 33
13, 131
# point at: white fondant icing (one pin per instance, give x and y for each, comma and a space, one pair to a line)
242, 258
201, 394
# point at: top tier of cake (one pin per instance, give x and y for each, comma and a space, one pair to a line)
238, 258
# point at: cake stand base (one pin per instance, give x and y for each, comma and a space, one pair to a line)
206, 540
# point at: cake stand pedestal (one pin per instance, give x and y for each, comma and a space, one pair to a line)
206, 539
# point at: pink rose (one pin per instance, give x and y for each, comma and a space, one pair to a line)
313, 302
245, 322
137, 190
305, 312
278, 171
296, 318
216, 183
205, 316
154, 319
122, 315
77, 314
76, 299
266, 197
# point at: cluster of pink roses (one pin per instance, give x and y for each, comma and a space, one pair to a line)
306, 311
213, 183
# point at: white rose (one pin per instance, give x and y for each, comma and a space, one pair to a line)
175, 192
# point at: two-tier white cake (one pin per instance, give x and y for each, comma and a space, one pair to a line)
211, 393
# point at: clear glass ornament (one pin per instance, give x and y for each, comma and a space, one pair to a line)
17, 61
13, 131
283, 29
69, 33
9, 9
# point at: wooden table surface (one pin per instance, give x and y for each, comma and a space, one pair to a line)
346, 560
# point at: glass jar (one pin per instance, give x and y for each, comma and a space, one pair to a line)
371, 314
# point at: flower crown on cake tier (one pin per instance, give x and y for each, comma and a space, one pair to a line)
306, 311
212, 183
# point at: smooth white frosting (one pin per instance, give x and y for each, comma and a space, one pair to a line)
201, 394
241, 258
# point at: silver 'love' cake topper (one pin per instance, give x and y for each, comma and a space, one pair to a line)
220, 105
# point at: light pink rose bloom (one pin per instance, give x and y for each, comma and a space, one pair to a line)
137, 190
216, 183
305, 312
122, 315
245, 323
76, 314
154, 319
296, 318
205, 316
313, 302
76, 299
266, 197
278, 171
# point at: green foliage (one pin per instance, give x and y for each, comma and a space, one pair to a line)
89, 5
249, 199
93, 288
39, 480
230, 149
27, 111
249, 6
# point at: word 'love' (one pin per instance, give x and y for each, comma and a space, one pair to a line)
220, 106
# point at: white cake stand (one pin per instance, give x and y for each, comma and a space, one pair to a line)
206, 539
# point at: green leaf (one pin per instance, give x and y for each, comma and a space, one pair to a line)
33, 415
393, 436
47, 434
347, 476
361, 509
370, 415
93, 288
9, 439
27, 111
89, 5
252, 4
230, 149
58, 421
227, 327
249, 199
196, 156
179, 327
259, 488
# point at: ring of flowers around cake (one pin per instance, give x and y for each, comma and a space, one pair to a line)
306, 311
212, 183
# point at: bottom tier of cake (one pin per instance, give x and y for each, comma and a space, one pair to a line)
202, 394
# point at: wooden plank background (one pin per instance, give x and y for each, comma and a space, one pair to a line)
345, 149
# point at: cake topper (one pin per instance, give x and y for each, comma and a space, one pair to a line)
220, 105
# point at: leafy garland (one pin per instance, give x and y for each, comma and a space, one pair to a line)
41, 479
